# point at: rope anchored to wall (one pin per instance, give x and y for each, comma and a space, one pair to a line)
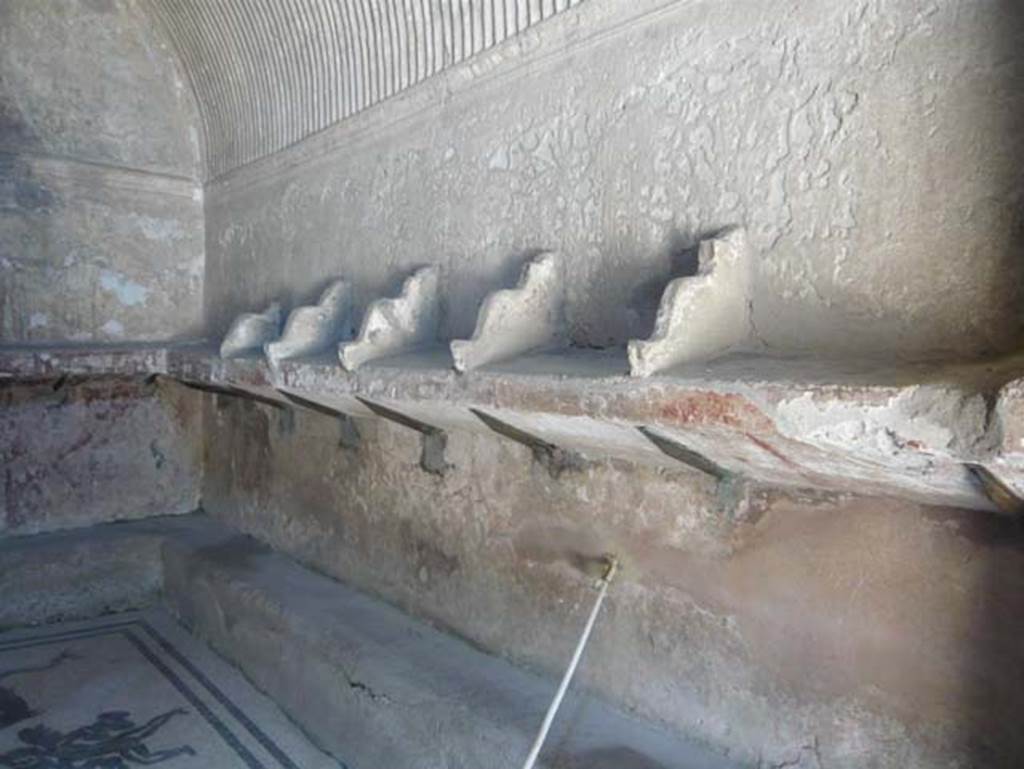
611, 566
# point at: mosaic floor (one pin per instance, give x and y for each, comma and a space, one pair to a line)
136, 690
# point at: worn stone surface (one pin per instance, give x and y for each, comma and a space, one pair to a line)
315, 328
101, 216
251, 331
871, 151
848, 631
512, 322
845, 426
90, 570
399, 324
138, 688
79, 574
97, 254
74, 453
94, 80
1006, 461
909, 431
341, 664
702, 315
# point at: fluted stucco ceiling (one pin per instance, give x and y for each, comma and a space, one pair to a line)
267, 73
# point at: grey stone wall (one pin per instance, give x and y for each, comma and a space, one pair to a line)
75, 453
871, 149
101, 221
836, 632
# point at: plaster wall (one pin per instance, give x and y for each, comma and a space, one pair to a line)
101, 221
838, 632
75, 453
872, 149
869, 148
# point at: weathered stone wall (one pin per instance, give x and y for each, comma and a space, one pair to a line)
101, 220
872, 150
74, 453
827, 632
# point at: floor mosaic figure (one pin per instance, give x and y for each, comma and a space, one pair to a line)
112, 741
133, 690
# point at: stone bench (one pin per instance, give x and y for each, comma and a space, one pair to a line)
375, 687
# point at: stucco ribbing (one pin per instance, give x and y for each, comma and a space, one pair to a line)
267, 73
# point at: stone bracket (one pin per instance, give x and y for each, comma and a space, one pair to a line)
250, 331
737, 496
552, 458
349, 437
701, 316
235, 392
315, 329
349, 432
674, 448
399, 324
310, 405
433, 440
1003, 495
523, 319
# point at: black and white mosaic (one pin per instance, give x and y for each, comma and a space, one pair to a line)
136, 690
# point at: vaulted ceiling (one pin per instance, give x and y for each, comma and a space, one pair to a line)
267, 73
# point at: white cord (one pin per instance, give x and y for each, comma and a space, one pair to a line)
562, 687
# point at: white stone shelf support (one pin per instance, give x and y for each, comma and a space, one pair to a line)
527, 318
250, 331
704, 315
398, 324
317, 328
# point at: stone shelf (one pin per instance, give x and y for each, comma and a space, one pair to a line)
912, 431
46, 361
